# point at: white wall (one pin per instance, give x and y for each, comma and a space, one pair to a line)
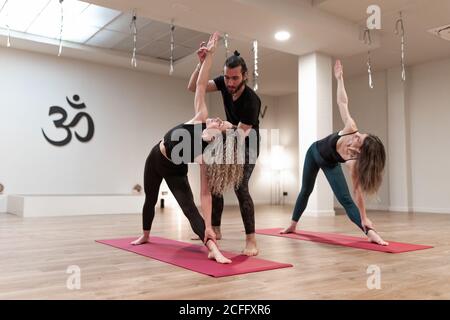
131, 112
427, 99
429, 107
3, 203
399, 164
287, 119
427, 131
369, 109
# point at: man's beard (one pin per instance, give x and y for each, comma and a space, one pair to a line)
237, 88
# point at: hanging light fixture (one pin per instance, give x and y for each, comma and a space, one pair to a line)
226, 44
8, 39
368, 41
400, 31
172, 47
255, 65
133, 27
61, 26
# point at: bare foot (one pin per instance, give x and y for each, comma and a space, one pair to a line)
375, 238
141, 240
290, 229
216, 231
215, 254
250, 246
219, 257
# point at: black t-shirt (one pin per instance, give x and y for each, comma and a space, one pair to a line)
245, 109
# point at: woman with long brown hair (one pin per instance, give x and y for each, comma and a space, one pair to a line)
213, 144
363, 154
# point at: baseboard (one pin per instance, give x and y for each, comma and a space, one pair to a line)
256, 202
431, 210
319, 213
3, 203
377, 207
399, 209
73, 205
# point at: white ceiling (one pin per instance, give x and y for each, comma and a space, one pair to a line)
43, 18
97, 26
328, 26
419, 16
246, 20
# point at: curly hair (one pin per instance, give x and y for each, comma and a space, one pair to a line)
225, 167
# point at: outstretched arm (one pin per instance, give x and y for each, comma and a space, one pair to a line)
192, 85
360, 203
201, 110
358, 196
367, 225
342, 99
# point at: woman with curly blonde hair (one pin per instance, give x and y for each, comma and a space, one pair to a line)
187, 143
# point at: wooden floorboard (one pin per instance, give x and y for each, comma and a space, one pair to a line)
36, 252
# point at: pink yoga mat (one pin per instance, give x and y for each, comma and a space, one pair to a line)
343, 240
194, 257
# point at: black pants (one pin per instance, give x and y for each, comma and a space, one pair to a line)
245, 203
158, 167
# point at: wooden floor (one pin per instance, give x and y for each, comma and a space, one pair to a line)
36, 252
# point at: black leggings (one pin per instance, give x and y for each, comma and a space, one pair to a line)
245, 203
158, 167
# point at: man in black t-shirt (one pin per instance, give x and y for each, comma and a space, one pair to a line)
242, 107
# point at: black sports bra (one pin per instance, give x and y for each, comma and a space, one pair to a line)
327, 148
177, 134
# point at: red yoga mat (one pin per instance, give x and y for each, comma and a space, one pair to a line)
343, 240
194, 257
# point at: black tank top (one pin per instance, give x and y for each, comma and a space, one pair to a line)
177, 134
327, 148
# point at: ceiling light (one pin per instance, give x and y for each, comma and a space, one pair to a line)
282, 35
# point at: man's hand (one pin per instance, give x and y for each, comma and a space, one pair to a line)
201, 52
